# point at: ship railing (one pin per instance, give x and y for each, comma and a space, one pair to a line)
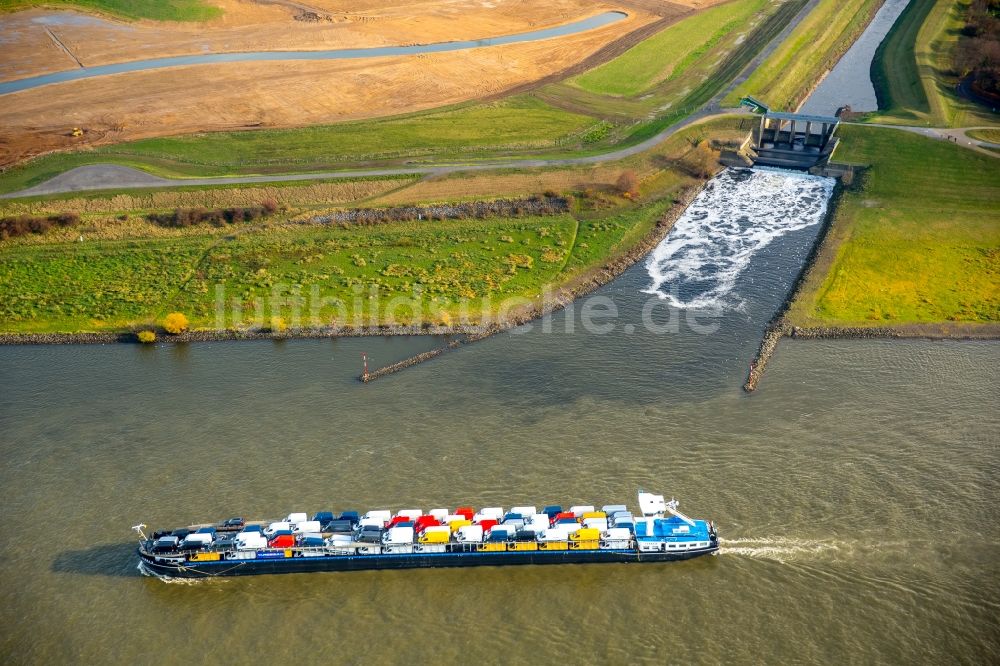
452, 547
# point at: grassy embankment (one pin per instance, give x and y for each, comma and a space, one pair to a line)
159, 10
130, 272
515, 125
699, 63
787, 77
111, 285
991, 135
670, 53
913, 74
916, 241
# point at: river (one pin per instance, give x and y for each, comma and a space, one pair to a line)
850, 82
856, 490
582, 25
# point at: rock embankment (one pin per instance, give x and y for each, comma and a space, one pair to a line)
581, 286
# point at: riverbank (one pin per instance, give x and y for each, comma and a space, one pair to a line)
906, 251
553, 300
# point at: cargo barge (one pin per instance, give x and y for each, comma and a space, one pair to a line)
411, 538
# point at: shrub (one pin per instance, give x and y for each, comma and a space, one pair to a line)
628, 184
278, 325
175, 323
22, 225
146, 337
187, 217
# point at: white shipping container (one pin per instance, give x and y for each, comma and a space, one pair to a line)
398, 535
381, 515
340, 539
276, 527
410, 514
557, 533
297, 518
598, 523
493, 512
615, 544
580, 510
618, 533
199, 538
307, 526
438, 514
524, 510
250, 541
470, 534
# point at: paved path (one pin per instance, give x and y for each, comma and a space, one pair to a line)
956, 135
112, 176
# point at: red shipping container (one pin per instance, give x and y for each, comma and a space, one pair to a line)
564, 514
426, 521
487, 524
466, 512
283, 541
396, 520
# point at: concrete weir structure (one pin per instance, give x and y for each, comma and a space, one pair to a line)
794, 140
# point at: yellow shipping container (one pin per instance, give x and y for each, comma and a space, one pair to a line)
522, 545
434, 537
586, 534
553, 545
206, 557
585, 545
594, 514
455, 524
495, 547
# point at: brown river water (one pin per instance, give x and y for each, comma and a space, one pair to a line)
856, 493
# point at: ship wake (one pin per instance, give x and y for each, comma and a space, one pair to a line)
781, 549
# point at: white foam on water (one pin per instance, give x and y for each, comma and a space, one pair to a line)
778, 549
736, 215
172, 580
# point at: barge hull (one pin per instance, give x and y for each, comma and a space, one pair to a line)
408, 561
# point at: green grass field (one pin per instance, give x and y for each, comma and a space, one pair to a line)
894, 70
326, 272
517, 124
786, 77
917, 242
992, 135
159, 10
913, 69
670, 53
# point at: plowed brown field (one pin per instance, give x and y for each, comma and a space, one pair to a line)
281, 94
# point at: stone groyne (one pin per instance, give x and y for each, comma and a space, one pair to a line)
779, 326
580, 286
575, 288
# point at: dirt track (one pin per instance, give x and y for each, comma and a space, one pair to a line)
243, 96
